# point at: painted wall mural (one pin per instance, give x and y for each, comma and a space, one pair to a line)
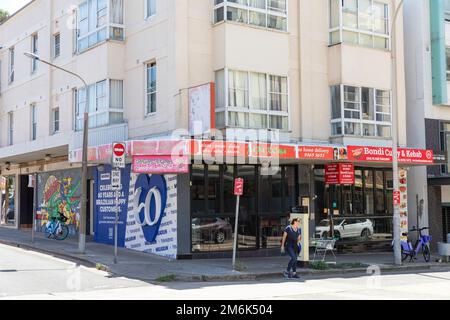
59, 192
148, 216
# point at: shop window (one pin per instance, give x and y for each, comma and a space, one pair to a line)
369, 192
8, 216
264, 207
358, 196
379, 193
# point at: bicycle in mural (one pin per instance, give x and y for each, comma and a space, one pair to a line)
57, 228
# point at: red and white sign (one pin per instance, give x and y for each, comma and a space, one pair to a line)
239, 187
160, 164
340, 173
119, 155
315, 153
397, 198
383, 154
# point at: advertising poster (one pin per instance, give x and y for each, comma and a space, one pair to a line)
148, 219
105, 206
152, 215
403, 186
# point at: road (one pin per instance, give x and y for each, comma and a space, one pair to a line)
31, 275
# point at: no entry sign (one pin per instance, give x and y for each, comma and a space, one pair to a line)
119, 149
239, 187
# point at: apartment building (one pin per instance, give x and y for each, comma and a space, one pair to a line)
315, 75
427, 47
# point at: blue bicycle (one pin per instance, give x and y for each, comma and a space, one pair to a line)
423, 244
57, 228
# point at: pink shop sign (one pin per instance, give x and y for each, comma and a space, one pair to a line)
160, 164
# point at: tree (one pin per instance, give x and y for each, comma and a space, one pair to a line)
3, 15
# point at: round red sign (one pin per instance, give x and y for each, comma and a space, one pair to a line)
119, 150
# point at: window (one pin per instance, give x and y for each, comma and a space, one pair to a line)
56, 45
150, 88
253, 100
11, 65
361, 22
34, 49
150, 8
445, 143
33, 122
366, 112
10, 128
93, 24
271, 14
447, 53
55, 120
104, 109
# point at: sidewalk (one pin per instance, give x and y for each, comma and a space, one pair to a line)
152, 268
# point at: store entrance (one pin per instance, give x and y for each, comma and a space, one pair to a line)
26, 203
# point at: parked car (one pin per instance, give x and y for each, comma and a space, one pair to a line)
346, 228
212, 229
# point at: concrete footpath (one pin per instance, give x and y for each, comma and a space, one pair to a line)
145, 267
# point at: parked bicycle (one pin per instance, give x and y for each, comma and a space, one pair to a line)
57, 228
422, 245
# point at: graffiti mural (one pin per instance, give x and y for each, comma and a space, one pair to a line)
59, 194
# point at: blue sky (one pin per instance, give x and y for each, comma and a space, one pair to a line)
12, 5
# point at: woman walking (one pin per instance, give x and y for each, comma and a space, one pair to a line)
290, 244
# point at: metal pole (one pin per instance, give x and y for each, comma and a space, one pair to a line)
236, 226
395, 168
35, 193
84, 179
84, 168
116, 227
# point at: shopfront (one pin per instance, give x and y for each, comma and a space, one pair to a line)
8, 216
179, 210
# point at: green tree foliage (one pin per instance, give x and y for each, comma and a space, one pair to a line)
3, 15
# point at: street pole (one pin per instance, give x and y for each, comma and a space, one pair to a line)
35, 193
395, 138
236, 226
84, 168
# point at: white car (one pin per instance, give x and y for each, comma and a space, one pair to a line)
346, 228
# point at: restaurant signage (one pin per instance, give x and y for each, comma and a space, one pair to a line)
340, 173
383, 154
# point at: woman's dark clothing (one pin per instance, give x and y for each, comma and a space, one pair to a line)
292, 247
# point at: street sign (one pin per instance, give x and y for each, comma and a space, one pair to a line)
116, 179
119, 155
239, 187
397, 198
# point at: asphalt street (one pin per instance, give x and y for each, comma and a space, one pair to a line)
30, 275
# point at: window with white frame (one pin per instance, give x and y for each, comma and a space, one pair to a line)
104, 103
98, 21
151, 89
33, 128
361, 22
55, 120
11, 68
10, 128
272, 14
56, 45
360, 111
34, 49
251, 100
150, 8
